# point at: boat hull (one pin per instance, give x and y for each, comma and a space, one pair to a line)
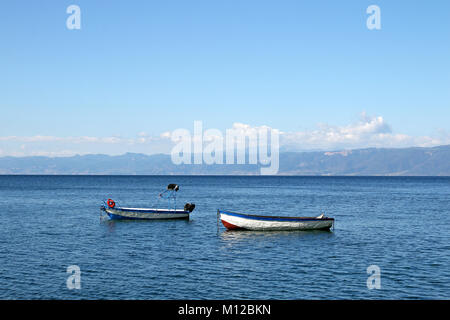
145, 214
240, 221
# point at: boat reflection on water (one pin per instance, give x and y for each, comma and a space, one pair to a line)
243, 235
155, 224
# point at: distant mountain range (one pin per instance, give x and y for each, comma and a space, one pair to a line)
433, 161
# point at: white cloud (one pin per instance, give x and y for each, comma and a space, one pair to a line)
369, 131
166, 135
67, 146
84, 139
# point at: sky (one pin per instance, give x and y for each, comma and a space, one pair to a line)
138, 70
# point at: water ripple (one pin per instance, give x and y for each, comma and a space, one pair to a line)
51, 222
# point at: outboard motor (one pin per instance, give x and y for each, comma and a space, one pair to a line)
173, 186
189, 207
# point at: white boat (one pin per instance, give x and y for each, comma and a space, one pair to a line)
120, 213
241, 221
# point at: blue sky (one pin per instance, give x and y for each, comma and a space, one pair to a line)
142, 68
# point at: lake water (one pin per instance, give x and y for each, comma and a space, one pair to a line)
396, 223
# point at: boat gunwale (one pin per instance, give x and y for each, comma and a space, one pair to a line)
149, 210
286, 218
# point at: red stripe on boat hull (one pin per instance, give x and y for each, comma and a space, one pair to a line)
230, 226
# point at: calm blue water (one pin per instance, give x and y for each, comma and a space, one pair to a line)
51, 222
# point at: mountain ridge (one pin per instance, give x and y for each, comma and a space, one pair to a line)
414, 161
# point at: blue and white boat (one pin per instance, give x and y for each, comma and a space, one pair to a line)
119, 213
242, 221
